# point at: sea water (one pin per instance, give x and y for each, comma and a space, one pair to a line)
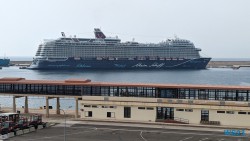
212, 76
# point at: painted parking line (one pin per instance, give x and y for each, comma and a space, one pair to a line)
142, 136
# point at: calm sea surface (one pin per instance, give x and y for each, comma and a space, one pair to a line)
213, 76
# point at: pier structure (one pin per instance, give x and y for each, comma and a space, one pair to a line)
17, 88
239, 66
174, 103
26, 108
228, 64
47, 98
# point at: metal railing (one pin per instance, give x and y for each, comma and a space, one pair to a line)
210, 122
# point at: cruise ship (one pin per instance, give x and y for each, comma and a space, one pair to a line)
103, 52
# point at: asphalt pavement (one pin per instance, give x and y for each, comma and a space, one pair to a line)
78, 131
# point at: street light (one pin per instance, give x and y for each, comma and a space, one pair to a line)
64, 125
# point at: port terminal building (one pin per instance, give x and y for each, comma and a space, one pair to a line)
140, 102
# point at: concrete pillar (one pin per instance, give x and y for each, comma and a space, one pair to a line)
58, 105
47, 106
76, 110
26, 106
14, 104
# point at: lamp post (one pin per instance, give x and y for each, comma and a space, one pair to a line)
64, 125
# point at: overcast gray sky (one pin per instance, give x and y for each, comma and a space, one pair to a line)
221, 28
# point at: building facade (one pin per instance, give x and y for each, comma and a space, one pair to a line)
175, 103
162, 109
190, 104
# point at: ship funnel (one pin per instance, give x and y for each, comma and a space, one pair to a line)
63, 34
99, 34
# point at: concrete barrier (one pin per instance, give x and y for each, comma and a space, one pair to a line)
4, 137
32, 129
19, 132
11, 134
25, 131
47, 124
53, 124
40, 127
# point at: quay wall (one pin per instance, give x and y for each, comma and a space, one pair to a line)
20, 63
219, 64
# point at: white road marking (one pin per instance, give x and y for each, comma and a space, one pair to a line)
186, 139
142, 136
152, 126
167, 132
203, 139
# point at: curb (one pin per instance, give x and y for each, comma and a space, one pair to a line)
170, 124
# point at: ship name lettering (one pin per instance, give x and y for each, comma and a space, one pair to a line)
140, 65
157, 65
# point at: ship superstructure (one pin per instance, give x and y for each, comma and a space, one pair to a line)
110, 53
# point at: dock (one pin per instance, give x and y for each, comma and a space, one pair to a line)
228, 64
20, 63
239, 66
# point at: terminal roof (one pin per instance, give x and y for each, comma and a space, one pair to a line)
88, 82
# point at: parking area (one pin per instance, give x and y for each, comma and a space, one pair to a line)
88, 132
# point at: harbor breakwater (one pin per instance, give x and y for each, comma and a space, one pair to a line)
227, 64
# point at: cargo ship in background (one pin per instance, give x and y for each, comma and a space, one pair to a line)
101, 53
